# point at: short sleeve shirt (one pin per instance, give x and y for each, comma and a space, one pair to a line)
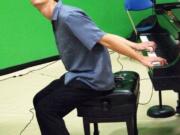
77, 39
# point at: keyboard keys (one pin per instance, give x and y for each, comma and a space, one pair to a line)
150, 54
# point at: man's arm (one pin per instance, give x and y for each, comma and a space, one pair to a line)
149, 45
123, 46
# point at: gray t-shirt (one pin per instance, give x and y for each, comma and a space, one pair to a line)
77, 40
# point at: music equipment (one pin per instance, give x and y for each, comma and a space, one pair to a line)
166, 34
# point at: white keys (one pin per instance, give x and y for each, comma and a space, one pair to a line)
150, 54
144, 38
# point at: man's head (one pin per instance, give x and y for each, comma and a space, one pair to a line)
46, 7
41, 2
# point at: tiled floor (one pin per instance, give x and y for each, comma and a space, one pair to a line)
17, 94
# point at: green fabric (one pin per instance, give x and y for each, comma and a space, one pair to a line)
26, 36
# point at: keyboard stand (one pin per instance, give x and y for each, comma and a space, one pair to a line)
158, 111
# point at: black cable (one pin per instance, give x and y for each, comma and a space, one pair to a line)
148, 101
111, 52
122, 67
7, 78
118, 59
119, 62
28, 72
30, 110
25, 127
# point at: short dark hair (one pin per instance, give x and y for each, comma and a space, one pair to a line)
56, 0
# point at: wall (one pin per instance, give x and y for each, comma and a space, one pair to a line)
26, 36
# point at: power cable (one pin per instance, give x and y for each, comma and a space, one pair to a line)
25, 127
20, 75
148, 101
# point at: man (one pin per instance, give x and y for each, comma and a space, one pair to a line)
84, 54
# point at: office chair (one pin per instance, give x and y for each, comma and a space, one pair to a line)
134, 5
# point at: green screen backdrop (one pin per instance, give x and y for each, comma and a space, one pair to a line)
26, 38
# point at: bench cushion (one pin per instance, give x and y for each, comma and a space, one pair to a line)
122, 99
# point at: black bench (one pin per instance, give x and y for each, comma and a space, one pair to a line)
118, 106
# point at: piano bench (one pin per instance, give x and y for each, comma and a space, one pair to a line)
118, 106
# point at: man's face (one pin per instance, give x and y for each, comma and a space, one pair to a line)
45, 6
39, 2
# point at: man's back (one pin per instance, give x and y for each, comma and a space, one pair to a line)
84, 59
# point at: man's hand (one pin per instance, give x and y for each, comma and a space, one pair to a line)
148, 46
123, 46
148, 61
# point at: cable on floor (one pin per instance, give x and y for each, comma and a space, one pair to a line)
26, 126
20, 75
119, 62
148, 101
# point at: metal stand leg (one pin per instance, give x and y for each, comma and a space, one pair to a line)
96, 131
178, 104
86, 127
160, 111
131, 127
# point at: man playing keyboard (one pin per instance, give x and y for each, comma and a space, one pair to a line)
84, 53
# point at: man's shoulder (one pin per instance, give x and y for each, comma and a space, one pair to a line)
70, 11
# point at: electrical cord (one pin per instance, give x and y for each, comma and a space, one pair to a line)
119, 62
30, 110
118, 59
27, 72
148, 101
25, 127
111, 52
8, 78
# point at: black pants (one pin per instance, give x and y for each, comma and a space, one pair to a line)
57, 100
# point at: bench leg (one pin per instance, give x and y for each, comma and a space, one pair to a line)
96, 131
86, 125
132, 126
135, 125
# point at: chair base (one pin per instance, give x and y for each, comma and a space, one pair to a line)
131, 123
118, 106
163, 111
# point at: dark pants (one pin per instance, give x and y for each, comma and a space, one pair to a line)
57, 100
